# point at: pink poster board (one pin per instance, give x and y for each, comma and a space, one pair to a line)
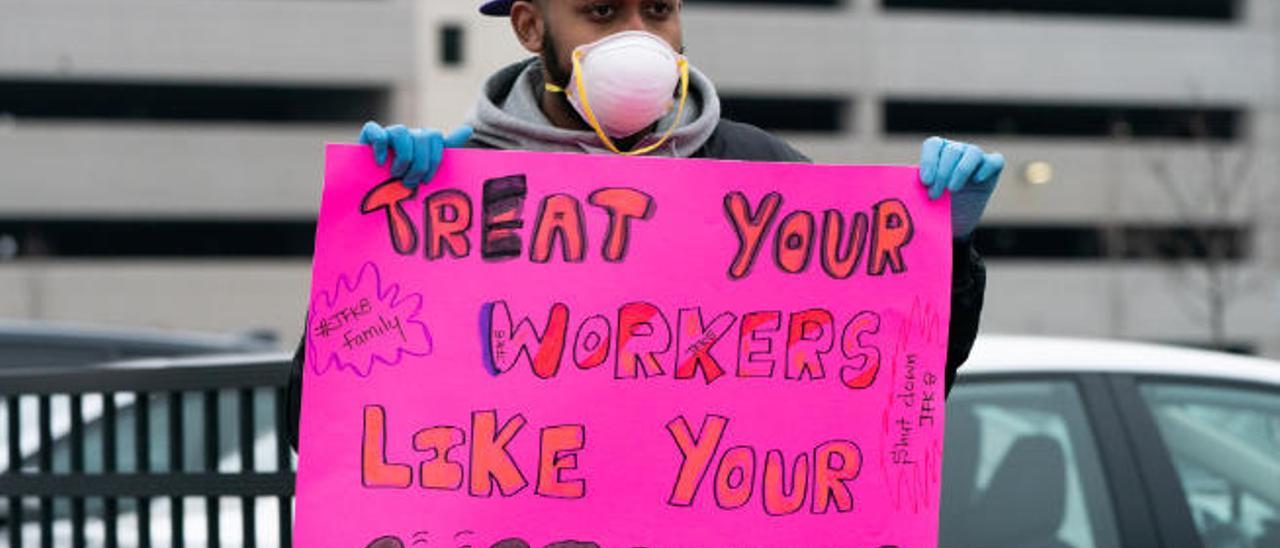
630, 352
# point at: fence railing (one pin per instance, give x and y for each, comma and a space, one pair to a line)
185, 452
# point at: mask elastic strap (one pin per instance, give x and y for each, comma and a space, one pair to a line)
595, 124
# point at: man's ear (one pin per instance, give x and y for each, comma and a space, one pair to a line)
526, 21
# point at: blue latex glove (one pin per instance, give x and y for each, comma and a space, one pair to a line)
967, 172
417, 151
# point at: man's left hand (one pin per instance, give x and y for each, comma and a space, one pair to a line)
967, 172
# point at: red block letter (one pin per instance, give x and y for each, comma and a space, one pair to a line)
749, 228
560, 218
508, 343
794, 245
623, 204
841, 260
862, 375
694, 341
642, 332
754, 351
735, 477
437, 471
778, 501
836, 464
490, 460
559, 443
591, 344
893, 231
812, 334
375, 471
390, 196
448, 219
696, 452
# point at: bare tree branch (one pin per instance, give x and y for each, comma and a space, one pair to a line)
1210, 200
1166, 179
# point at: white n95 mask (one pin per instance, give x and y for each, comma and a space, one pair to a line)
624, 83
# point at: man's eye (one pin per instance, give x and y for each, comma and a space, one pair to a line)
660, 9
601, 11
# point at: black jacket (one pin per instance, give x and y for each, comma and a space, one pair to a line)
737, 141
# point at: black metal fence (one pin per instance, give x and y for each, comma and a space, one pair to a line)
155, 453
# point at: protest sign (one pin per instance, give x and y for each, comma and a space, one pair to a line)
542, 348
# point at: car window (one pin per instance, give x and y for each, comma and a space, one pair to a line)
1225, 445
1021, 468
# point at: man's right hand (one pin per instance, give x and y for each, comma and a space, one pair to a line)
417, 151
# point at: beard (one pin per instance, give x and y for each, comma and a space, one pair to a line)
557, 72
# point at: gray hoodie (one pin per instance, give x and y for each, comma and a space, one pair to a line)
508, 116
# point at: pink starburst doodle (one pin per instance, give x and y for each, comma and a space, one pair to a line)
364, 323
909, 465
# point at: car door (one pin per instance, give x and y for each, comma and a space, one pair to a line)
1220, 443
1023, 468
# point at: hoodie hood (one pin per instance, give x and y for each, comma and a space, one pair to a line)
508, 116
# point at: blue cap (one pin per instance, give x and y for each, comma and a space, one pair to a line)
497, 7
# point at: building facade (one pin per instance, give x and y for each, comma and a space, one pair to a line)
162, 160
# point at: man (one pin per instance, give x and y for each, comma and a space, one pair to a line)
608, 77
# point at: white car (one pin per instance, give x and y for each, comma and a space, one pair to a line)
1076, 443
1050, 443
